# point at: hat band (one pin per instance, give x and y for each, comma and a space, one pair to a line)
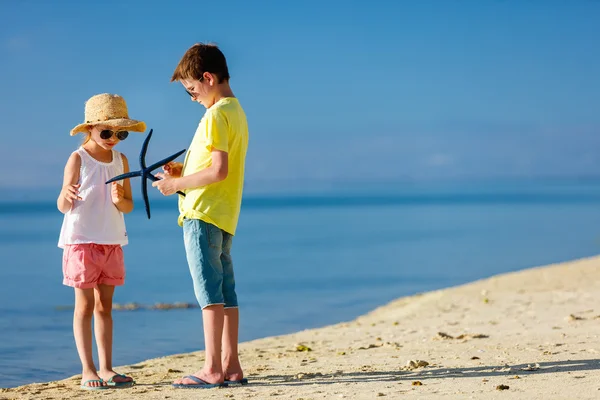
107, 119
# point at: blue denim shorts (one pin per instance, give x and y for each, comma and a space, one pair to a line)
208, 252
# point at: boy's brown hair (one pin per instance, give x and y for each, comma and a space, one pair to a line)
201, 58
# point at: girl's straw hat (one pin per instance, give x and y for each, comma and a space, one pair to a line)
109, 110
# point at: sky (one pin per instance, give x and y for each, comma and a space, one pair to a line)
336, 92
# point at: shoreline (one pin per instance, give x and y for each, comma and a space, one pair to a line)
529, 334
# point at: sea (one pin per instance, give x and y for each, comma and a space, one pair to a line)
302, 260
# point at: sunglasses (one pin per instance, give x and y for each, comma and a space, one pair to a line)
191, 94
107, 134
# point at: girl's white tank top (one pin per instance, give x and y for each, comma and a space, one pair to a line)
95, 219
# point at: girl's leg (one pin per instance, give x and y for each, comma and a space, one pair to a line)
82, 330
104, 332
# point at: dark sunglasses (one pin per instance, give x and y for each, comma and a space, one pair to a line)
188, 92
107, 134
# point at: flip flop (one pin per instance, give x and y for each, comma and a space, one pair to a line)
111, 383
242, 381
200, 384
85, 385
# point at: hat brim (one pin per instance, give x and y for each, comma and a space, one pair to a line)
125, 123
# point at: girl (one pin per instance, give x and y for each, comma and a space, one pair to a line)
93, 232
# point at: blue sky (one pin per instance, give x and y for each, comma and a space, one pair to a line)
335, 91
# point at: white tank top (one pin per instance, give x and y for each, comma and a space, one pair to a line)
95, 219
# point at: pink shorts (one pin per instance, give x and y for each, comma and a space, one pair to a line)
87, 265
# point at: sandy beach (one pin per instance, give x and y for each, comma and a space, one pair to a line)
533, 334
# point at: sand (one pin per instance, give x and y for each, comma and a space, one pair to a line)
533, 334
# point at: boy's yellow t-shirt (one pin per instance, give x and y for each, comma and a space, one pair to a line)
223, 127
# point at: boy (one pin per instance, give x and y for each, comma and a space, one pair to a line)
212, 177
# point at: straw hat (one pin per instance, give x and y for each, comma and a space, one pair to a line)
109, 110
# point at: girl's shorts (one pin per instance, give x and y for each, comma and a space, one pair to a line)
88, 265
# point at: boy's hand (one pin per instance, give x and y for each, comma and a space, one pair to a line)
173, 169
167, 184
117, 193
70, 193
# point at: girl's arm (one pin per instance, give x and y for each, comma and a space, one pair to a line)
70, 189
121, 194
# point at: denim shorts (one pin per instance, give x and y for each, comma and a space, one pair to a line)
208, 252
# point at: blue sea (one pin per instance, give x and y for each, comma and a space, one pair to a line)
301, 261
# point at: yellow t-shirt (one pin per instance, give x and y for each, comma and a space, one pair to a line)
224, 128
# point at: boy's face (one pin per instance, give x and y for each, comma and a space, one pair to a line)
201, 91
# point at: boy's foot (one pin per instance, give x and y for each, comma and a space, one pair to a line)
199, 384
235, 378
233, 373
114, 379
204, 376
242, 381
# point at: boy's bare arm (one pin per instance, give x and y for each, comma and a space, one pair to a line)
70, 189
217, 172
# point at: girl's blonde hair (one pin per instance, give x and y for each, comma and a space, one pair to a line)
86, 138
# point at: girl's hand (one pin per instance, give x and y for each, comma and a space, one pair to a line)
173, 169
70, 193
117, 193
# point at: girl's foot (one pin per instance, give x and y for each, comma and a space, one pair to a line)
90, 379
115, 379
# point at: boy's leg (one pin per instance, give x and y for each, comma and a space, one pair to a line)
82, 330
212, 372
213, 319
104, 332
231, 361
203, 244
